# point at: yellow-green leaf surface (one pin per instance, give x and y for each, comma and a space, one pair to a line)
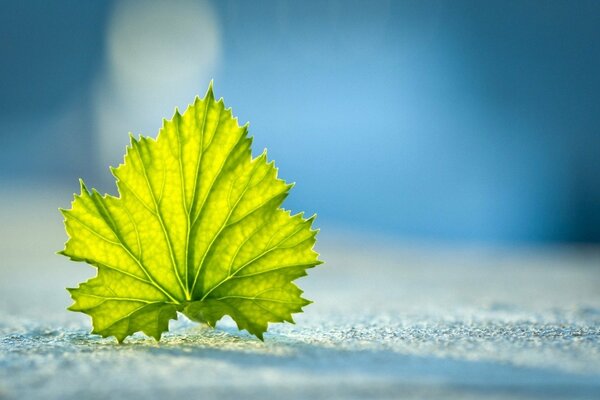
197, 228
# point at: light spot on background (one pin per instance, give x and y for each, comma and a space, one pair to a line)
159, 54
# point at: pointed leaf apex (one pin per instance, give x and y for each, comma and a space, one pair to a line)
82, 187
210, 91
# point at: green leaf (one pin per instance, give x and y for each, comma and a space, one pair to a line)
197, 228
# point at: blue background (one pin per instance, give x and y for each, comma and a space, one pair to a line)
462, 121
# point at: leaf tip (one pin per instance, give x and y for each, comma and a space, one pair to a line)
132, 139
312, 219
210, 91
82, 187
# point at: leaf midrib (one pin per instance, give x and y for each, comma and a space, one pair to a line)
160, 220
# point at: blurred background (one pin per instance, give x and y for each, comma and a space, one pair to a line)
431, 120
450, 148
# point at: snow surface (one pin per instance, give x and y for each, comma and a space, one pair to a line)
391, 319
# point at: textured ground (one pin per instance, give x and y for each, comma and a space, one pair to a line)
391, 319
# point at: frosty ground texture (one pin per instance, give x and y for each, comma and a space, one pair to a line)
391, 319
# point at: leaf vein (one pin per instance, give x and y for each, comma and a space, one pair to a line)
160, 220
